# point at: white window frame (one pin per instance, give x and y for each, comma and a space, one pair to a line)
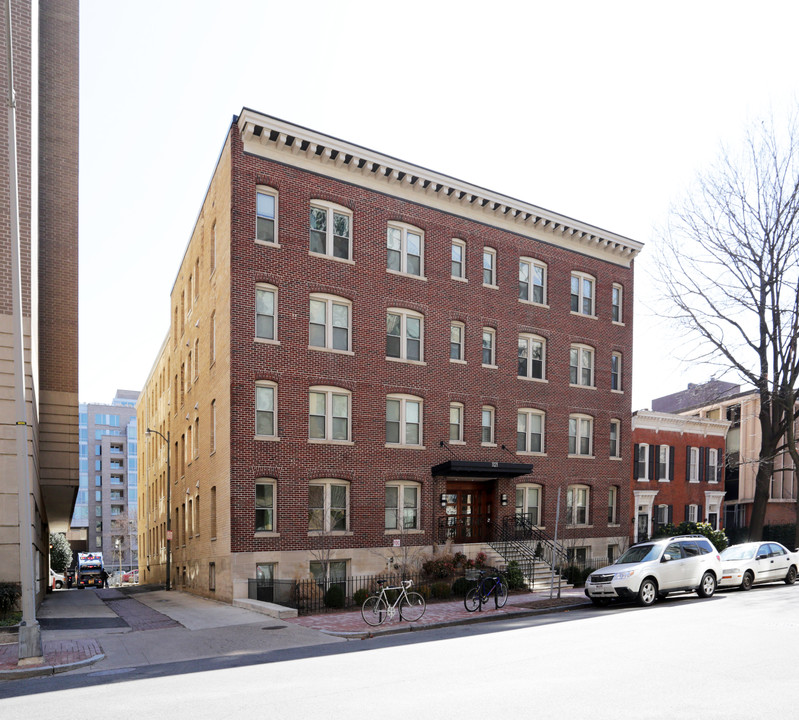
643, 450
693, 513
581, 427
617, 304
577, 370
613, 505
489, 331
693, 465
456, 413
269, 192
266, 384
401, 487
490, 254
327, 484
267, 482
329, 393
663, 461
457, 333
615, 443
526, 489
461, 247
529, 340
266, 288
713, 465
330, 210
490, 412
523, 425
404, 339
528, 266
583, 278
615, 372
330, 302
572, 508
404, 402
404, 229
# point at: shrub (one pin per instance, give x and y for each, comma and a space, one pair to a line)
441, 567
480, 560
424, 591
461, 586
359, 596
576, 575
514, 576
440, 590
9, 594
335, 597
717, 537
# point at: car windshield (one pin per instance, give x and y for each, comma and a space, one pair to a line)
639, 553
744, 552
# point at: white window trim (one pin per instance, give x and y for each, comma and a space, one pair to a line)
664, 450
493, 253
613, 492
267, 287
617, 423
492, 411
620, 288
531, 338
264, 190
327, 484
461, 359
527, 412
329, 301
461, 412
693, 510
579, 347
404, 399
329, 391
404, 315
273, 385
693, 466
401, 485
580, 418
646, 448
583, 276
493, 364
526, 487
713, 469
620, 388
273, 532
570, 517
532, 264
404, 228
462, 245
331, 208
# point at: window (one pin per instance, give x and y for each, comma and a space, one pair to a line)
456, 330
405, 247
532, 281
336, 572
212, 438
266, 312
196, 442
615, 438
487, 425
196, 358
331, 230
613, 496
265, 506
458, 267
456, 422
642, 462
693, 464
664, 470
532, 358
615, 303
404, 334
489, 347
581, 365
329, 323
693, 513
489, 267
329, 414
328, 503
402, 502
615, 371
403, 420
213, 512
582, 294
212, 339
580, 435
712, 465
265, 409
265, 215
213, 248
577, 505
528, 503
530, 431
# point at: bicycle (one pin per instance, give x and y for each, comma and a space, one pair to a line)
376, 608
488, 585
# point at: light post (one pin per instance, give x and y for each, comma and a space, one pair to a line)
168, 504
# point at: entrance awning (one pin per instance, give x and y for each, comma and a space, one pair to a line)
471, 468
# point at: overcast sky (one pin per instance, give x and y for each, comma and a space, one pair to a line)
603, 112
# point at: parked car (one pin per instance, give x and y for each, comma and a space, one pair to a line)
131, 576
57, 580
651, 570
752, 563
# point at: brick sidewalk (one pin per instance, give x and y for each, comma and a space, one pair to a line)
58, 656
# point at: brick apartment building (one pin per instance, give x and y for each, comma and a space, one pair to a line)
45, 53
677, 471
364, 353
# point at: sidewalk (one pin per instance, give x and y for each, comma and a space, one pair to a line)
110, 627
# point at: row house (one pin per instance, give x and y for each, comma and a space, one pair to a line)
366, 354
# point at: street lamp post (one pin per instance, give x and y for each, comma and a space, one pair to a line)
168, 504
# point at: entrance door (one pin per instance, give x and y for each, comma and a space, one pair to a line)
643, 527
468, 511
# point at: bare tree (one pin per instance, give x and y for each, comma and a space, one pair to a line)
729, 264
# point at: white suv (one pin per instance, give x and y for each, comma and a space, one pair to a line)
651, 570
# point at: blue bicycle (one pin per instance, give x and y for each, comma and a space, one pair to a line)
487, 586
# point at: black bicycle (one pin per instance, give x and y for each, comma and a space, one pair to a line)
487, 586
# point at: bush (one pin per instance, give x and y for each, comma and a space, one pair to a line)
717, 537
9, 594
440, 590
441, 567
424, 591
359, 596
461, 586
335, 597
514, 576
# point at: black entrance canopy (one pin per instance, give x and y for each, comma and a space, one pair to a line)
471, 468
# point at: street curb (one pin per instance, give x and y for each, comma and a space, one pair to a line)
41, 670
366, 634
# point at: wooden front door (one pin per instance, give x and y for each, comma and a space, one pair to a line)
468, 511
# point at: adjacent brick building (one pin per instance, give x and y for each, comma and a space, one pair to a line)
365, 354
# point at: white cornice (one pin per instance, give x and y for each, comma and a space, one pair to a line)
660, 421
278, 140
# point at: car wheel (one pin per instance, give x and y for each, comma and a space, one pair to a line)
600, 602
648, 592
748, 580
58, 585
790, 578
708, 585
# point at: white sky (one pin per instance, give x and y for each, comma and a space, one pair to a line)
602, 111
